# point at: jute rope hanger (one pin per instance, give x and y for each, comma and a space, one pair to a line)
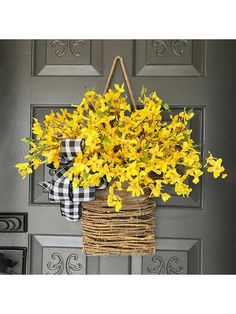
123, 68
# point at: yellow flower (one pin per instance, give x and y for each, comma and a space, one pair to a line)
119, 89
49, 118
165, 196
36, 162
135, 189
103, 106
190, 159
52, 156
94, 179
156, 189
118, 206
92, 141
75, 182
37, 129
114, 200
24, 169
182, 189
122, 146
210, 159
187, 146
155, 97
111, 96
216, 167
90, 95
196, 173
186, 115
125, 106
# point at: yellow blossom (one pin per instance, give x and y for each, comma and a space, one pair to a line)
36, 162
119, 89
165, 196
131, 149
216, 167
89, 95
37, 129
24, 169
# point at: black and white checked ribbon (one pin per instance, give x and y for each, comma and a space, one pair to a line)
60, 188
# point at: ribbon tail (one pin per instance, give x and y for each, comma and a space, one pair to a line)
45, 185
71, 211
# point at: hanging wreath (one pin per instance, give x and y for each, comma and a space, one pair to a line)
106, 142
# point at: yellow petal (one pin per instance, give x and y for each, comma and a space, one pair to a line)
118, 206
195, 180
75, 183
165, 197
216, 174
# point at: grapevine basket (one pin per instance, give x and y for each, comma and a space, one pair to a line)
129, 231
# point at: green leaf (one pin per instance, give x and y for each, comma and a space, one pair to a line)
105, 139
190, 111
196, 145
145, 159
85, 175
143, 91
166, 106
89, 89
186, 137
100, 114
119, 133
27, 140
41, 146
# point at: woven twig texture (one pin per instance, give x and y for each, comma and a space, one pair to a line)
130, 231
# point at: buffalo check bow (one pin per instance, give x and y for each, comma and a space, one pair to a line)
60, 188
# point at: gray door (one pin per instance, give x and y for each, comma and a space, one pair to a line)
194, 235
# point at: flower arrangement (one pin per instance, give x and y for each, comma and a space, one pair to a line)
134, 150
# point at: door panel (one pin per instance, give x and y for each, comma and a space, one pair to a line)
194, 235
170, 57
63, 255
67, 57
12, 260
174, 256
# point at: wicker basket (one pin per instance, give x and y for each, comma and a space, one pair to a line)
130, 231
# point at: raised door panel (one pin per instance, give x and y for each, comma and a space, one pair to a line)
13, 222
173, 257
67, 58
12, 260
169, 57
57, 255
